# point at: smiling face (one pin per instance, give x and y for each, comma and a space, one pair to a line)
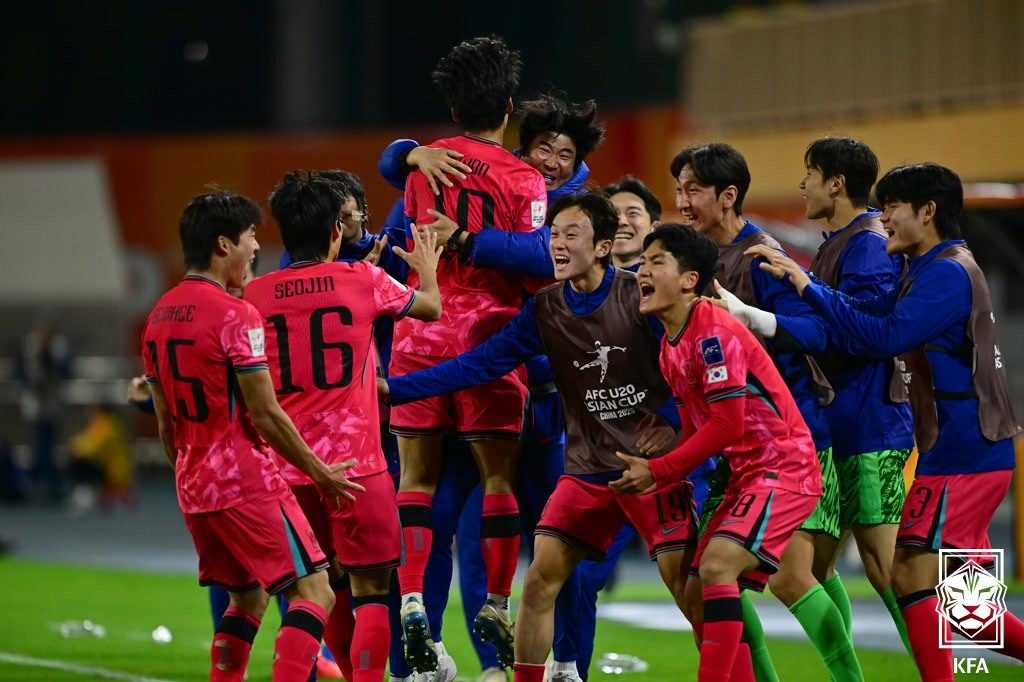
817, 195
554, 155
908, 229
661, 284
700, 207
238, 257
634, 225
572, 244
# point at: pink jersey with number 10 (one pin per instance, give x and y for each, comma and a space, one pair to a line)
501, 192
319, 330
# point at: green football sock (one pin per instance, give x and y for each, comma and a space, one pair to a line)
753, 635
889, 599
823, 624
837, 593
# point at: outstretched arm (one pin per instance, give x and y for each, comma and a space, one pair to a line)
518, 341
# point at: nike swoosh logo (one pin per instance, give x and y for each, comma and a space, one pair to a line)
910, 523
727, 522
666, 531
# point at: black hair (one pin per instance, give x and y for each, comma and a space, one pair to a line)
351, 185
919, 183
845, 156
306, 206
691, 249
212, 215
549, 113
596, 206
477, 79
627, 183
718, 165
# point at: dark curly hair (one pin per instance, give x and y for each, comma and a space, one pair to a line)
550, 113
476, 79
306, 207
691, 249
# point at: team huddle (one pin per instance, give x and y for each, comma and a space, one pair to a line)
520, 354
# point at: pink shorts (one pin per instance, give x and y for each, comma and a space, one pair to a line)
589, 515
762, 520
494, 410
952, 511
265, 542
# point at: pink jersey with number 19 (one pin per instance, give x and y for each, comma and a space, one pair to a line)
319, 329
714, 357
501, 192
196, 339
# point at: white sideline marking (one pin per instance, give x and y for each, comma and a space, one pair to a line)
18, 659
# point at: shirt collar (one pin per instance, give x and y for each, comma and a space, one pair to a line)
915, 264
870, 213
749, 228
196, 277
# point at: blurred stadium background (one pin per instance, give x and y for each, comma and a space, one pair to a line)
116, 113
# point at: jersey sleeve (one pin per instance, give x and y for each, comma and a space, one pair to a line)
517, 253
243, 339
535, 204
390, 297
149, 367
723, 364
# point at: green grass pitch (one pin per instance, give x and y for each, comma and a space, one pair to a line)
130, 604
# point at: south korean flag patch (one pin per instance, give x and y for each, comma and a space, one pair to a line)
717, 374
257, 343
711, 351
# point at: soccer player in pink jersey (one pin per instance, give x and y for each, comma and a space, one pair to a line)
477, 79
203, 349
319, 329
736, 403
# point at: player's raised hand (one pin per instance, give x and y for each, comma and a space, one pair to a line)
334, 483
443, 227
138, 390
425, 253
733, 304
636, 478
437, 164
656, 436
373, 258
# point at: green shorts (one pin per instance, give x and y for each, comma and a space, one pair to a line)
716, 493
825, 517
871, 489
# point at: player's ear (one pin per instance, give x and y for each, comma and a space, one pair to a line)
223, 246
728, 197
836, 184
508, 106
603, 248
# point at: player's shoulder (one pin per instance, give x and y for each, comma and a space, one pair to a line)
708, 319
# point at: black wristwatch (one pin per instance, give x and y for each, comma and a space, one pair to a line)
454, 242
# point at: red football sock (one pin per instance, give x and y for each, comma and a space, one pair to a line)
416, 515
372, 638
340, 625
528, 672
723, 627
499, 541
934, 664
298, 641
1013, 636
698, 633
229, 653
743, 665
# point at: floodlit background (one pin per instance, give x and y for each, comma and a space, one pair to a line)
113, 114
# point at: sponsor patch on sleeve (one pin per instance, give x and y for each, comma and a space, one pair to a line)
717, 374
711, 351
257, 344
538, 210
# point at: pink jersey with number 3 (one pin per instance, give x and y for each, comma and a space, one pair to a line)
501, 192
715, 357
196, 339
319, 330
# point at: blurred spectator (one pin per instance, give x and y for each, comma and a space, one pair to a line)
43, 365
12, 477
101, 462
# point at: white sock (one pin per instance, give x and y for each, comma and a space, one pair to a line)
499, 600
409, 596
564, 667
